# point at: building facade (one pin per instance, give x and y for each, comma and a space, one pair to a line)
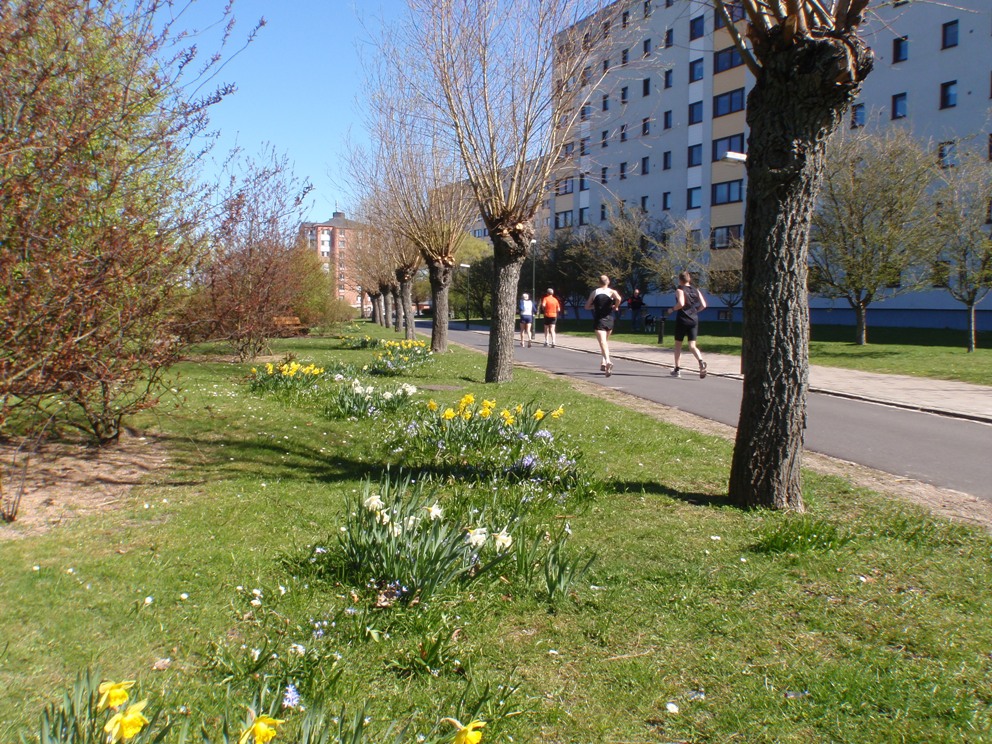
665, 103
332, 241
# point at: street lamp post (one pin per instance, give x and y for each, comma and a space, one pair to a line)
466, 266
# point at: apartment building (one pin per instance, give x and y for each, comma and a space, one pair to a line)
665, 103
332, 241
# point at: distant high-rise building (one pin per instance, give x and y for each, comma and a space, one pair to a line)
332, 241
667, 103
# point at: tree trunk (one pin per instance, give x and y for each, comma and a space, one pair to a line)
861, 320
509, 254
795, 104
440, 276
971, 327
387, 306
394, 293
406, 302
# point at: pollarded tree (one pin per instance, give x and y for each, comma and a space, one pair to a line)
964, 263
871, 230
809, 63
506, 78
623, 249
426, 200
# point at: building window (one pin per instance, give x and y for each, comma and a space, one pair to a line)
733, 143
900, 49
669, 38
563, 219
584, 146
947, 154
623, 132
623, 94
857, 116
645, 127
694, 197
899, 108
602, 211
647, 8
644, 204
666, 200
726, 59
728, 192
624, 57
668, 78
697, 27
669, 3
696, 70
949, 94
583, 215
602, 174
584, 113
695, 156
623, 171
645, 165
625, 19
696, 112
666, 160
583, 182
606, 102
564, 186
728, 103
949, 35
646, 84
569, 148
666, 120
606, 66
604, 138
585, 76
606, 29
734, 10
647, 47
721, 237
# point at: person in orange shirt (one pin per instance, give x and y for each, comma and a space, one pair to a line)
550, 308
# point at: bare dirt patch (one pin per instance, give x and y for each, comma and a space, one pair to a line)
942, 502
63, 481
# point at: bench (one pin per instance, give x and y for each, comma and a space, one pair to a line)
288, 325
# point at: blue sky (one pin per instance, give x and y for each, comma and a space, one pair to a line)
297, 87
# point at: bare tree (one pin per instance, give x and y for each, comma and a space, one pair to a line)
505, 77
809, 63
429, 203
870, 230
724, 279
964, 263
678, 247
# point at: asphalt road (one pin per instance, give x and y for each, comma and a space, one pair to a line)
942, 451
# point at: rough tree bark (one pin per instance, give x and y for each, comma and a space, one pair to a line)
387, 305
440, 274
394, 294
405, 278
804, 84
509, 251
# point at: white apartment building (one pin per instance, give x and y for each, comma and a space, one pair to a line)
666, 102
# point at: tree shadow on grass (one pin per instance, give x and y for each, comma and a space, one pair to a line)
653, 488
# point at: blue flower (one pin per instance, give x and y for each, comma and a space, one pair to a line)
292, 697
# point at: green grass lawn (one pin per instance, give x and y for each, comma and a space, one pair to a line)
920, 352
865, 621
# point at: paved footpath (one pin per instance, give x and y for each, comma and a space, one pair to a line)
959, 399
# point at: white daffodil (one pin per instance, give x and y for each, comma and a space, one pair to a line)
503, 540
477, 538
373, 503
434, 512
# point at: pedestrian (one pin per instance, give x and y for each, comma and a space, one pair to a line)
635, 302
603, 302
550, 308
526, 319
689, 301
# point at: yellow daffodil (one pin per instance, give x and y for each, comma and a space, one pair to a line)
262, 730
431, 405
113, 694
519, 408
489, 404
468, 734
467, 400
449, 413
485, 412
558, 412
269, 368
538, 414
126, 725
